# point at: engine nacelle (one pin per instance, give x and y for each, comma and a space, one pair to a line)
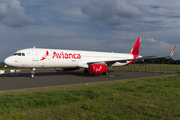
69, 69
97, 68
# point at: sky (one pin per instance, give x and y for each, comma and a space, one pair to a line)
95, 25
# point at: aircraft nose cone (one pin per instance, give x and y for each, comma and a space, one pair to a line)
8, 61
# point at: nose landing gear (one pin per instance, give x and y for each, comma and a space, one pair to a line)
32, 73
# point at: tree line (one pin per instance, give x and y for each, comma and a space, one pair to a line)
159, 61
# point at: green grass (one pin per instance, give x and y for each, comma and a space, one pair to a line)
146, 98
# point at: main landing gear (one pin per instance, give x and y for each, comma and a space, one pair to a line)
86, 71
32, 72
108, 71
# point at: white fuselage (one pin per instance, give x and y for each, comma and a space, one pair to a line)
57, 58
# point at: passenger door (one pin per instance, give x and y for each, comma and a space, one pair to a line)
35, 55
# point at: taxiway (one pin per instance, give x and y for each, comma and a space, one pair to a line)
49, 78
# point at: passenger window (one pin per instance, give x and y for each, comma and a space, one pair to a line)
23, 54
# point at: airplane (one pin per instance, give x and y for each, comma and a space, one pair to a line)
93, 62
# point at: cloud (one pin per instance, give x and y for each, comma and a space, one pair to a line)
3, 10
69, 23
14, 15
114, 13
150, 40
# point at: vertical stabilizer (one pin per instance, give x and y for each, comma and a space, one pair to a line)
135, 49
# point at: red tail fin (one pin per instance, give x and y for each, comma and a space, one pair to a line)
135, 49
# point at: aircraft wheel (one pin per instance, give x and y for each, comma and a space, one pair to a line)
32, 76
32, 72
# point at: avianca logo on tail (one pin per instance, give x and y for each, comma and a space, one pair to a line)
62, 55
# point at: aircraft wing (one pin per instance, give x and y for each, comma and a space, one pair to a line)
139, 58
155, 57
123, 60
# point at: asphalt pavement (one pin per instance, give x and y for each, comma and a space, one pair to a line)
49, 78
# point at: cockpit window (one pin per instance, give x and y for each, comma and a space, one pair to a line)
19, 54
15, 54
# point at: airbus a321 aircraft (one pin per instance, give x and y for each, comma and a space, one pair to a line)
69, 60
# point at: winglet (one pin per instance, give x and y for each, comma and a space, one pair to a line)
172, 51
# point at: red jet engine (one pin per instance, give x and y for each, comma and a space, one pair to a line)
97, 68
